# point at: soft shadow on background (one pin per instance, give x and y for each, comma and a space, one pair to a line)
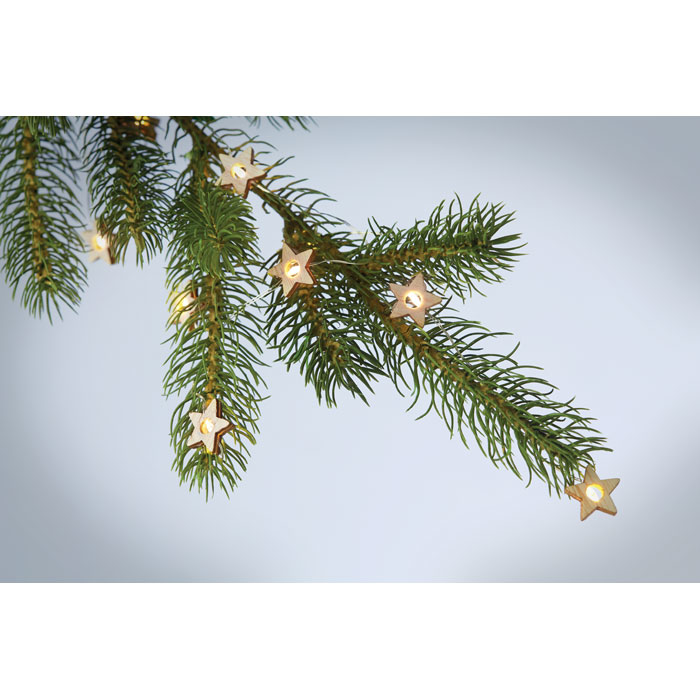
606, 301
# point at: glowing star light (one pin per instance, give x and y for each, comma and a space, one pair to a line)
594, 493
293, 269
413, 300
239, 171
99, 245
209, 426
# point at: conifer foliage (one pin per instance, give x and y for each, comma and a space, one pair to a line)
40, 213
338, 332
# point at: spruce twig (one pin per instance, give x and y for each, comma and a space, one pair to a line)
39, 213
129, 184
487, 393
216, 352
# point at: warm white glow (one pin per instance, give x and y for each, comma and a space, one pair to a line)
184, 301
142, 121
100, 242
595, 492
238, 170
413, 300
206, 426
293, 268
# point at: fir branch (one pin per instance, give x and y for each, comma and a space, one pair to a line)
503, 407
39, 213
128, 183
493, 396
217, 351
338, 331
455, 248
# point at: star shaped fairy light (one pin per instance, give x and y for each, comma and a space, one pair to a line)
293, 269
239, 171
99, 245
413, 300
594, 493
209, 426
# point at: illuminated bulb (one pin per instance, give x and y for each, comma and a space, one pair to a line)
100, 242
238, 170
142, 121
595, 492
206, 426
293, 268
413, 300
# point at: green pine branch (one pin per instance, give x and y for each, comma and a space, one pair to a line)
216, 352
338, 332
454, 247
508, 411
129, 184
39, 213
319, 330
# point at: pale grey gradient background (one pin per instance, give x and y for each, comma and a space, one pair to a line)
606, 301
